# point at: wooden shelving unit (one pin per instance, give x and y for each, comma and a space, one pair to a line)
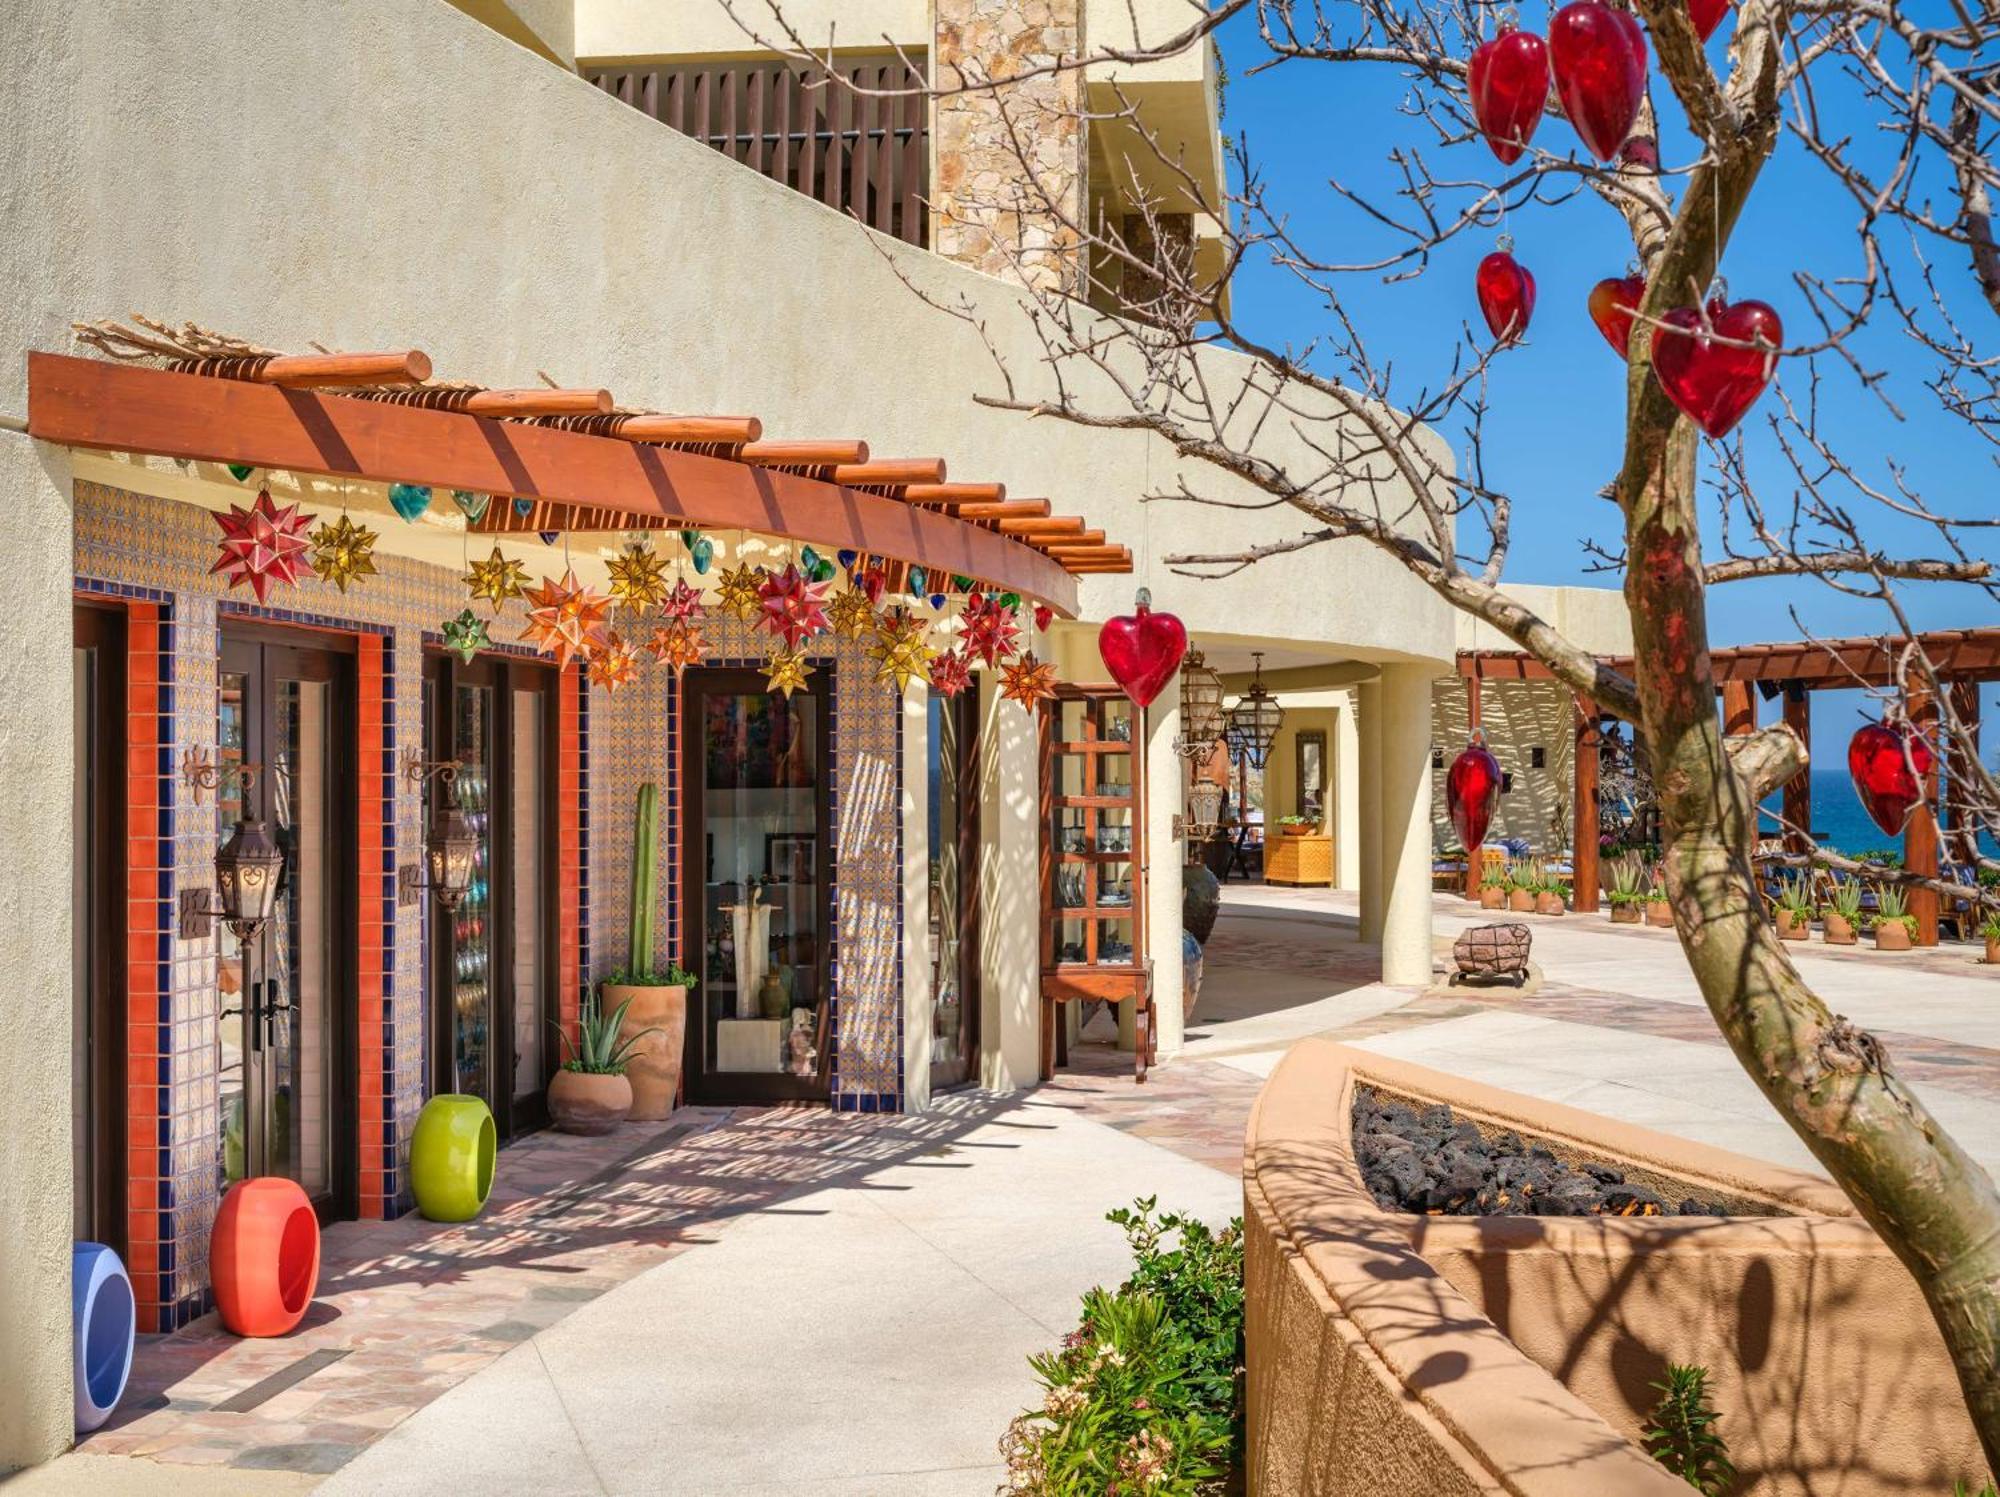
1093, 863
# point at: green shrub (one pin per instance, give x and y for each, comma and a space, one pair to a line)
1960, 1489
1892, 907
1145, 1395
1681, 1434
1628, 882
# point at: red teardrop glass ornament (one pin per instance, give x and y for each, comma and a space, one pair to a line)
1508, 84
1506, 296
1715, 382
1707, 15
1044, 616
1888, 766
1613, 303
1471, 792
1142, 650
1598, 56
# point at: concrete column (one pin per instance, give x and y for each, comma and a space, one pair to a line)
1010, 935
1165, 853
37, 752
1405, 867
917, 954
1345, 768
1369, 699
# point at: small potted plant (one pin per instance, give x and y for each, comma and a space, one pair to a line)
1523, 884
1843, 914
1627, 892
1493, 891
1795, 910
1552, 898
1294, 826
1991, 932
1895, 926
590, 1093
1659, 910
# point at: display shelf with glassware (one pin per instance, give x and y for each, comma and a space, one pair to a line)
472, 956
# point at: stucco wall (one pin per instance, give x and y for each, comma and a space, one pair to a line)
1517, 717
676, 28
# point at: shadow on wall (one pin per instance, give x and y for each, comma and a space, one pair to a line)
1519, 719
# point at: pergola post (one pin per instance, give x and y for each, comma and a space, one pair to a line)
1965, 827
1920, 833
1797, 807
1583, 776
1473, 723
1739, 708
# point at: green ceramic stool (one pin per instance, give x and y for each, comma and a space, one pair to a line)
451, 1157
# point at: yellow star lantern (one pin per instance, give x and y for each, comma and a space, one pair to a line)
787, 671
343, 551
564, 618
739, 592
852, 615
613, 663
678, 643
497, 579
638, 578
1028, 681
899, 651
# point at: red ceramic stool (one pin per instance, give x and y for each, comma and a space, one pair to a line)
264, 1257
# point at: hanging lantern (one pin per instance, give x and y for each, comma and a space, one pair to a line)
1204, 810
1202, 720
1889, 763
449, 853
246, 878
1471, 792
1254, 720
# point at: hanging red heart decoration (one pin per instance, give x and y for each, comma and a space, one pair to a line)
1715, 373
1044, 616
1506, 296
1142, 650
1471, 792
1599, 58
1889, 765
1508, 83
1707, 15
1614, 301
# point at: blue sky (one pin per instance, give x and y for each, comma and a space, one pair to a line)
1554, 435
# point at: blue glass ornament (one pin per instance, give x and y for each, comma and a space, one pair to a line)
703, 551
410, 499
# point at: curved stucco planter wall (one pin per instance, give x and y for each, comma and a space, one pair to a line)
1451, 1354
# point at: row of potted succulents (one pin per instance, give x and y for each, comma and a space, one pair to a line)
1525, 888
1636, 896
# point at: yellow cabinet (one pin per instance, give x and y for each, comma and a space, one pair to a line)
1302, 860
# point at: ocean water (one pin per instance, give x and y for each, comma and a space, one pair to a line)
1838, 820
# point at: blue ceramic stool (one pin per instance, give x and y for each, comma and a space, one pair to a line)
103, 1318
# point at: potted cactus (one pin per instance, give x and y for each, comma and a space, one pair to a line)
1895, 926
1523, 884
590, 1094
1493, 891
652, 999
1990, 931
1659, 910
1843, 914
1795, 910
1552, 898
1627, 892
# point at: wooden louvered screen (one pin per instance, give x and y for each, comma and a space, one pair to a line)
861, 154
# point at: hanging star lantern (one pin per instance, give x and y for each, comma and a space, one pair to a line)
852, 615
792, 606
613, 663
263, 543
990, 629
343, 551
899, 651
738, 592
1028, 681
787, 671
951, 673
497, 579
564, 618
638, 578
678, 643
683, 602
465, 636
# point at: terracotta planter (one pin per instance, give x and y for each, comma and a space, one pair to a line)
1492, 897
1521, 901
1892, 935
1839, 932
1549, 903
1625, 914
580, 1102
655, 1066
1659, 912
1993, 951
1794, 927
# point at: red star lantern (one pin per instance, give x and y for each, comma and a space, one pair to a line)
1028, 681
951, 673
990, 629
683, 602
564, 618
263, 543
792, 607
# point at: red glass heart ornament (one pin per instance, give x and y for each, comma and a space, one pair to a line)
1598, 56
1613, 303
1044, 616
1508, 83
1142, 649
1707, 15
1471, 792
1506, 296
1715, 382
1888, 766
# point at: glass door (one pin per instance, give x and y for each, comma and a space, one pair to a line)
756, 887
954, 888
97, 928
286, 1018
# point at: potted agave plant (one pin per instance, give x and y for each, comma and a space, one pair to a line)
1523, 884
590, 1093
652, 998
1659, 909
1895, 926
1627, 892
1843, 914
1493, 891
1552, 898
1991, 932
1795, 910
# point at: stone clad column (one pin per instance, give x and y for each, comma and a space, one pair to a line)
1405, 876
994, 210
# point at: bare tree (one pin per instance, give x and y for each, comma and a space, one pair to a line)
1903, 113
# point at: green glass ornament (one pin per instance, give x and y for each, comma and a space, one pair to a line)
240, 471
703, 554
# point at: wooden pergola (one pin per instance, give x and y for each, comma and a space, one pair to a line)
582, 463
1788, 673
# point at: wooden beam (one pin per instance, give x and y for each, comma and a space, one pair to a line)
1959, 815
1739, 708
693, 431
802, 454
1797, 806
1086, 541
952, 495
537, 403
1054, 525
319, 370
890, 472
106, 406
1583, 820
1012, 509
1920, 832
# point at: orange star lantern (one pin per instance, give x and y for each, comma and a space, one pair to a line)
264, 542
678, 643
613, 663
564, 618
1028, 681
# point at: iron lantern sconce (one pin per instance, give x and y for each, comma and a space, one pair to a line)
1204, 811
452, 847
247, 869
1254, 720
1202, 719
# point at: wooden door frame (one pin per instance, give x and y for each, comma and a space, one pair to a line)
748, 1086
965, 707
100, 626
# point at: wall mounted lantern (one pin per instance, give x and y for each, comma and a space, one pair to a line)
1202, 721
1254, 720
247, 866
1204, 811
451, 847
